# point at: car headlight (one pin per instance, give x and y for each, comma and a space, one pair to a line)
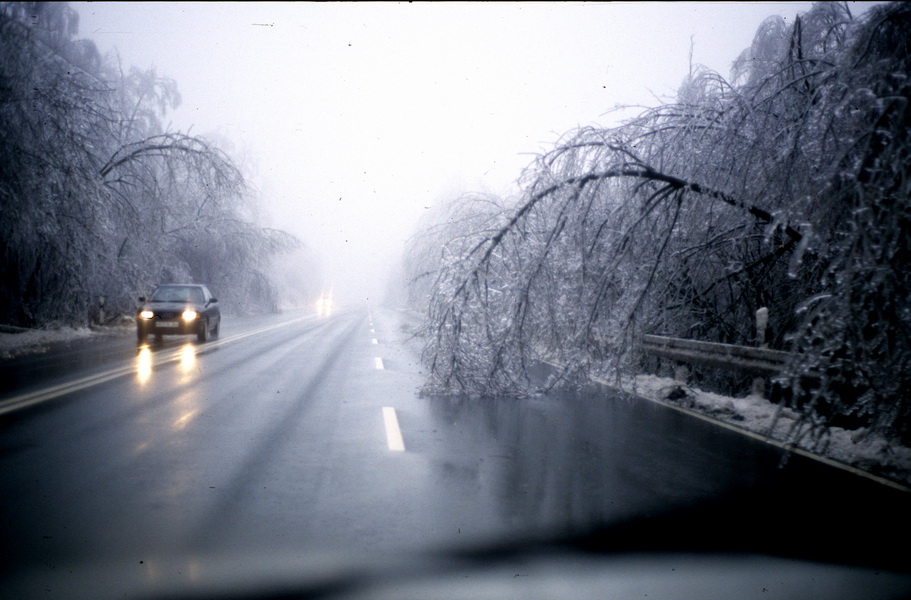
189, 315
146, 314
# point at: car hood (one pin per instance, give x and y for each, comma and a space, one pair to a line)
508, 576
677, 555
172, 306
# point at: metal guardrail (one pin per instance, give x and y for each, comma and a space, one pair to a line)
759, 361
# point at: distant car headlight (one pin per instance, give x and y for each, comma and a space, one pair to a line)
189, 315
146, 314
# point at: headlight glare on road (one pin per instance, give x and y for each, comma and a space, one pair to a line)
189, 315
146, 314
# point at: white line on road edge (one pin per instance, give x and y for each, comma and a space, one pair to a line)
379, 363
393, 433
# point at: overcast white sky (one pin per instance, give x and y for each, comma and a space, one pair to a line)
358, 115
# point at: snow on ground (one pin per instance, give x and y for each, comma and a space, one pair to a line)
765, 420
38, 341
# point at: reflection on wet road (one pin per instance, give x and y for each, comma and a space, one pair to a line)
145, 360
309, 433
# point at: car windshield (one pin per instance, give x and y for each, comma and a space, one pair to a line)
176, 293
325, 294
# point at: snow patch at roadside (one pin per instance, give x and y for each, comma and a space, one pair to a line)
38, 341
868, 453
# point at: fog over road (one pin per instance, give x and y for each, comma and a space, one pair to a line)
300, 432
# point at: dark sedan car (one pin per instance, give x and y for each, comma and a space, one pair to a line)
178, 309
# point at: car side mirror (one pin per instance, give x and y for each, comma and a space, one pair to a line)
142, 298
213, 300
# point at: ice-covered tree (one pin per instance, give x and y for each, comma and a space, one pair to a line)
98, 198
784, 187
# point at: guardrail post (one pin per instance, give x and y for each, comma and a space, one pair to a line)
677, 369
681, 372
101, 310
762, 324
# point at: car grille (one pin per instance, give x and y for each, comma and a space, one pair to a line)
167, 315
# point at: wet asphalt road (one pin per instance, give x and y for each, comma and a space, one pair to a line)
297, 432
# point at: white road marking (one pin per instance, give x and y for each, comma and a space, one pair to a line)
374, 341
379, 363
393, 433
